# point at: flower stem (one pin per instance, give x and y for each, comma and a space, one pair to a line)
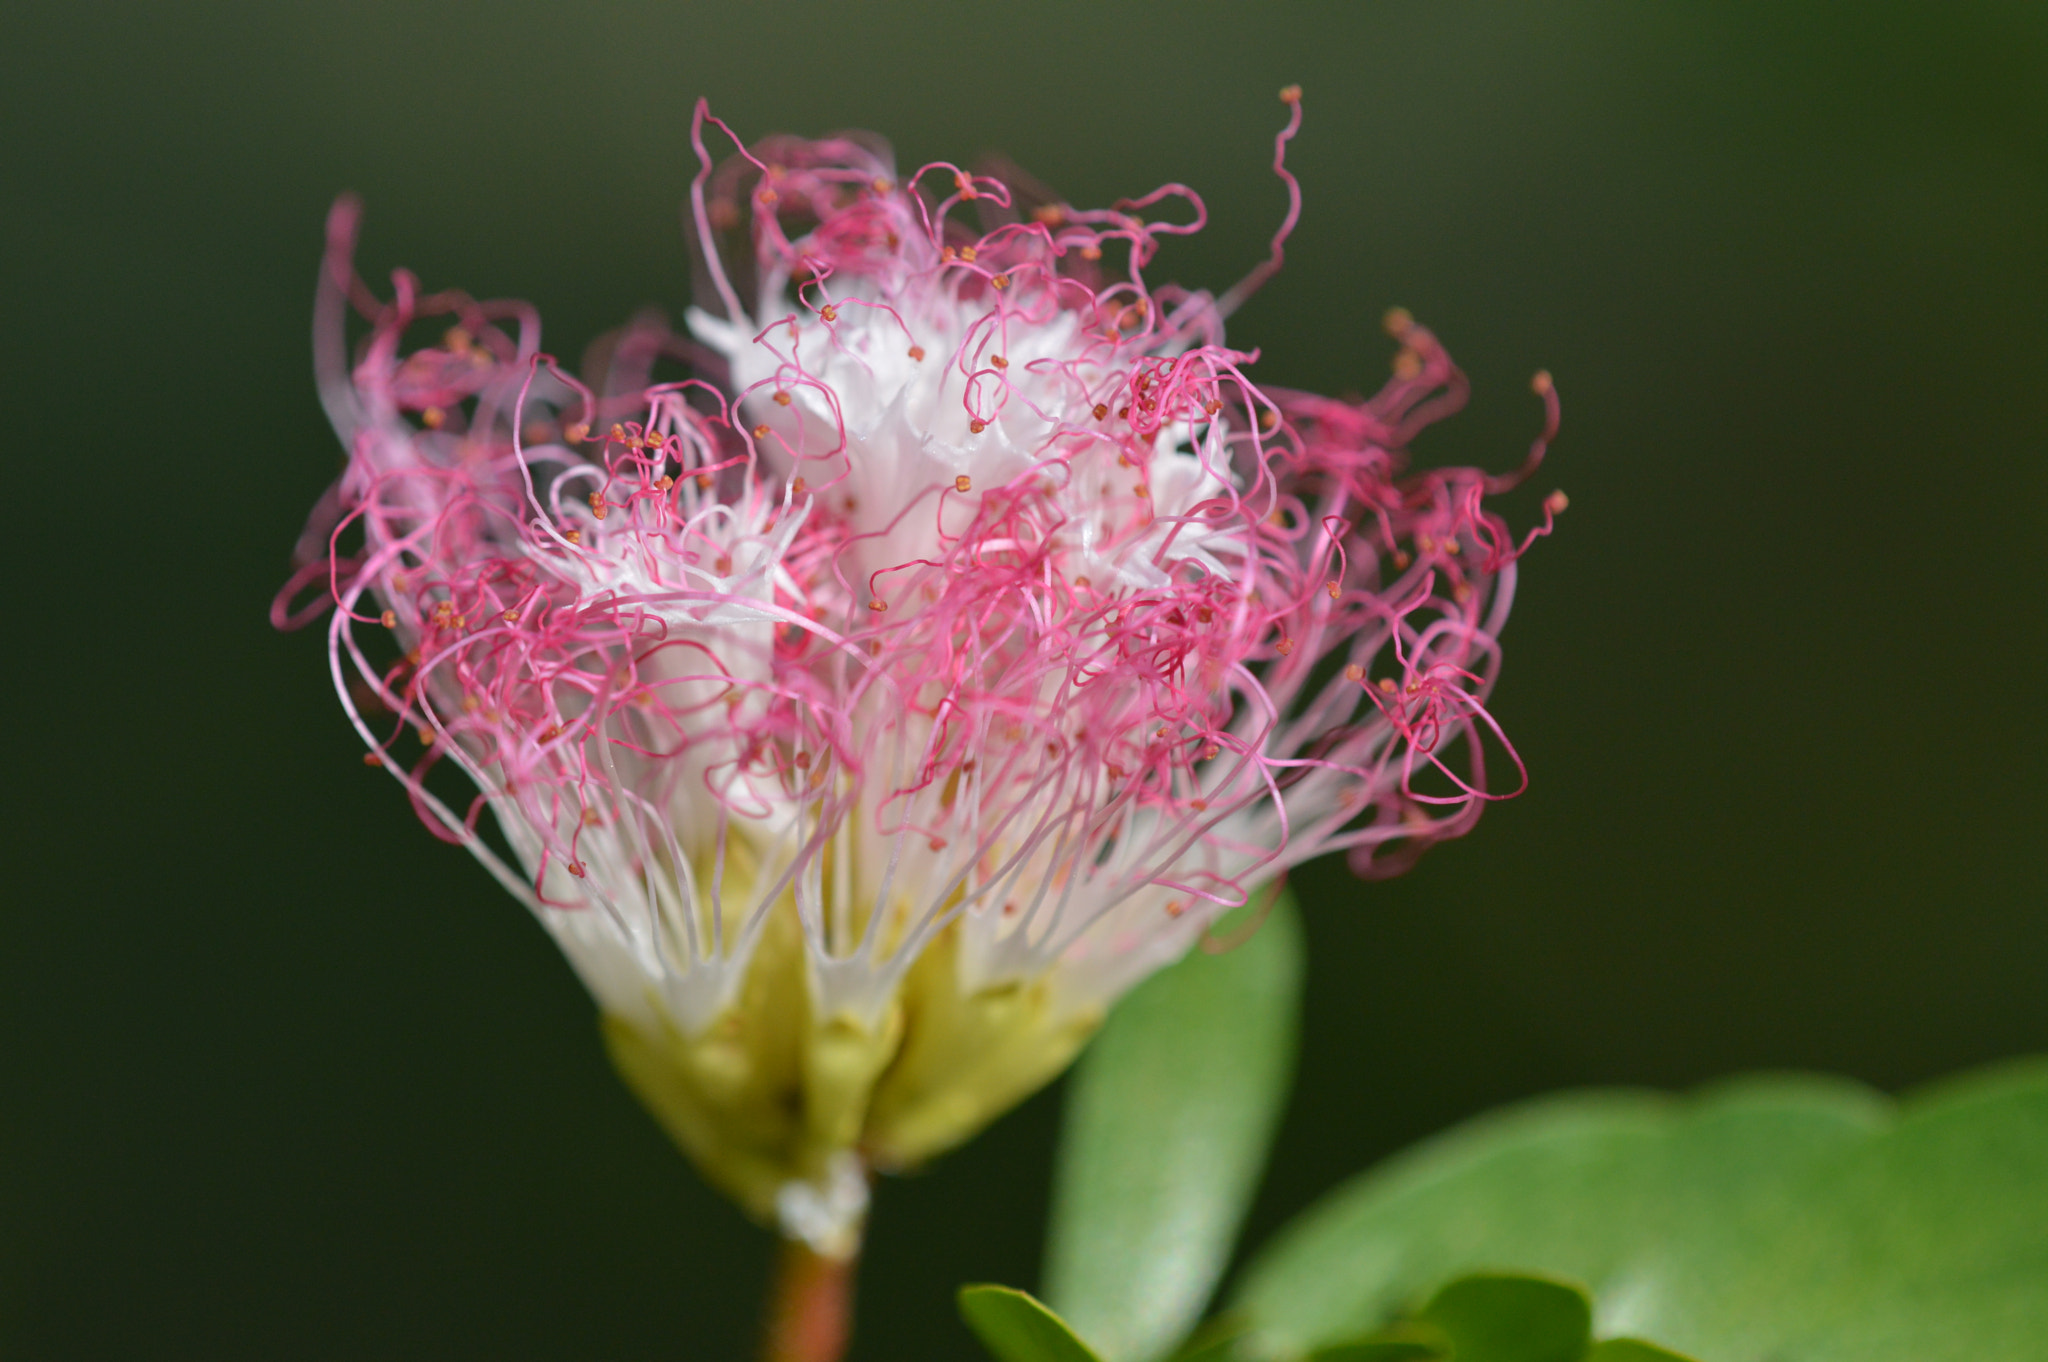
810, 1307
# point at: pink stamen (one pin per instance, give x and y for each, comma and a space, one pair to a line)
1040, 622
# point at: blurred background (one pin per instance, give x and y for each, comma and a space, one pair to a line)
280, 1075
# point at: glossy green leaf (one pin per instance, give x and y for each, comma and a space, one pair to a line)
1772, 1218
1016, 1327
1169, 1117
1499, 1317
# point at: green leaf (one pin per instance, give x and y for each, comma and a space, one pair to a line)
1169, 1116
1632, 1350
1016, 1327
1497, 1317
1215, 1341
1383, 1349
1798, 1218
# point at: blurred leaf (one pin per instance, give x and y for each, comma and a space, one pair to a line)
1380, 1349
1215, 1341
1496, 1317
1632, 1350
1016, 1327
1774, 1217
1169, 1117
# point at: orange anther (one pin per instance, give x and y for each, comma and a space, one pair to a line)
704, 481
963, 483
1101, 411
1001, 281
372, 759
1401, 558
1334, 590
879, 185
1399, 321
796, 487
1354, 672
1556, 502
781, 399
1291, 95
977, 425
574, 536
1284, 646
999, 361
598, 507
1541, 383
761, 432
577, 433
916, 353
389, 619
663, 483
878, 605
432, 418
1091, 252
1387, 684
1051, 214
575, 868
967, 254
829, 313
510, 617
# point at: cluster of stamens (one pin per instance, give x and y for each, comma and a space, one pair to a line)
984, 586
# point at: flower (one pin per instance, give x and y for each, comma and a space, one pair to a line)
866, 713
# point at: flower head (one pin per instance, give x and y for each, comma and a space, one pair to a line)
865, 713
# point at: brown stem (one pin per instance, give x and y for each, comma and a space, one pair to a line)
810, 1307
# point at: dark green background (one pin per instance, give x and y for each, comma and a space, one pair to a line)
282, 1076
